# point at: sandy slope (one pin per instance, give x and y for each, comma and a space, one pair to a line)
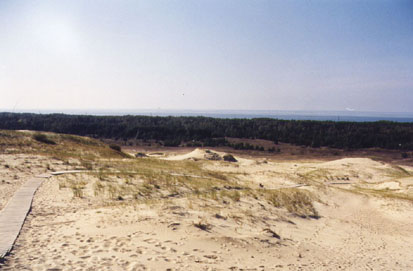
356, 231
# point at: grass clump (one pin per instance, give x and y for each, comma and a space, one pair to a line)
77, 191
113, 191
296, 201
233, 195
86, 164
98, 188
74, 185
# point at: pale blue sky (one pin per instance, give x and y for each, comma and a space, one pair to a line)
215, 54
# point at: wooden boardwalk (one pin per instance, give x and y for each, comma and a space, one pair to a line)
14, 213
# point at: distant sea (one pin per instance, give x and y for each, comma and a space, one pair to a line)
357, 116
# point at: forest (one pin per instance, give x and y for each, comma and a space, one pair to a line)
173, 131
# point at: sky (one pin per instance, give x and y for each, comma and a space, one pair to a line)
207, 55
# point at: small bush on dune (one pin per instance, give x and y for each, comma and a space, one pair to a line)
115, 147
43, 139
229, 158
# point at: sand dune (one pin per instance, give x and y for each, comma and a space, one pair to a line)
362, 224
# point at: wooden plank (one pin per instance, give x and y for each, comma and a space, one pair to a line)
13, 215
67, 172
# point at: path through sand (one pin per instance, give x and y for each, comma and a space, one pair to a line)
13, 215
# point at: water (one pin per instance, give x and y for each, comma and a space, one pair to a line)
357, 116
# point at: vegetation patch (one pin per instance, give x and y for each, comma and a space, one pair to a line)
296, 201
115, 180
229, 158
115, 147
383, 193
213, 131
43, 139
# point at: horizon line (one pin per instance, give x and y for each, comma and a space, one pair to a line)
34, 110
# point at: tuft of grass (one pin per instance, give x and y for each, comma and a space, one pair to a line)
146, 190
233, 195
86, 164
77, 191
63, 184
112, 191
98, 188
296, 201
75, 185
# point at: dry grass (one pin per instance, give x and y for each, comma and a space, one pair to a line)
77, 186
398, 172
297, 201
141, 180
382, 193
315, 178
117, 179
66, 146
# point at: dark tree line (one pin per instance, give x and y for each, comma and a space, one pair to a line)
174, 130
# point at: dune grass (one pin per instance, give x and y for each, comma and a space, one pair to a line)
116, 177
297, 201
141, 180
